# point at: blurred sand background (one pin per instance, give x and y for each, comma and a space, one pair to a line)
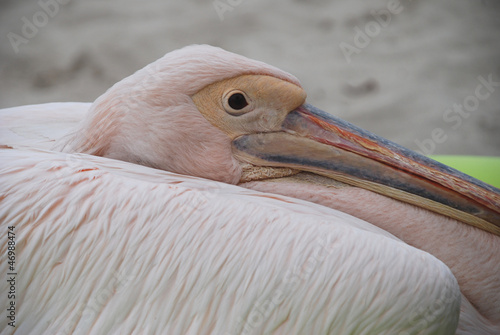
402, 82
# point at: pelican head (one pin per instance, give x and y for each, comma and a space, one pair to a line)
210, 113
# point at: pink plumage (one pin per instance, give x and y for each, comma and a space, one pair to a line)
124, 244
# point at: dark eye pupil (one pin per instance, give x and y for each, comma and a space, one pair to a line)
237, 101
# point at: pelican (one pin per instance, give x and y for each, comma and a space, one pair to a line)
203, 195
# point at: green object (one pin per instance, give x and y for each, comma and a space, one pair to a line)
483, 168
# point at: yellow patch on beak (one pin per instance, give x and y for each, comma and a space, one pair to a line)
248, 104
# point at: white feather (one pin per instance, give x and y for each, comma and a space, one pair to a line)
109, 247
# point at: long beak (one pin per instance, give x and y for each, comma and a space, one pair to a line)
315, 141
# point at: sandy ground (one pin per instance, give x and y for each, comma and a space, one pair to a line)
423, 73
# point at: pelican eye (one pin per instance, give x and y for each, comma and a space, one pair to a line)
235, 102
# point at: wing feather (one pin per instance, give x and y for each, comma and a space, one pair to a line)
105, 246
39, 126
